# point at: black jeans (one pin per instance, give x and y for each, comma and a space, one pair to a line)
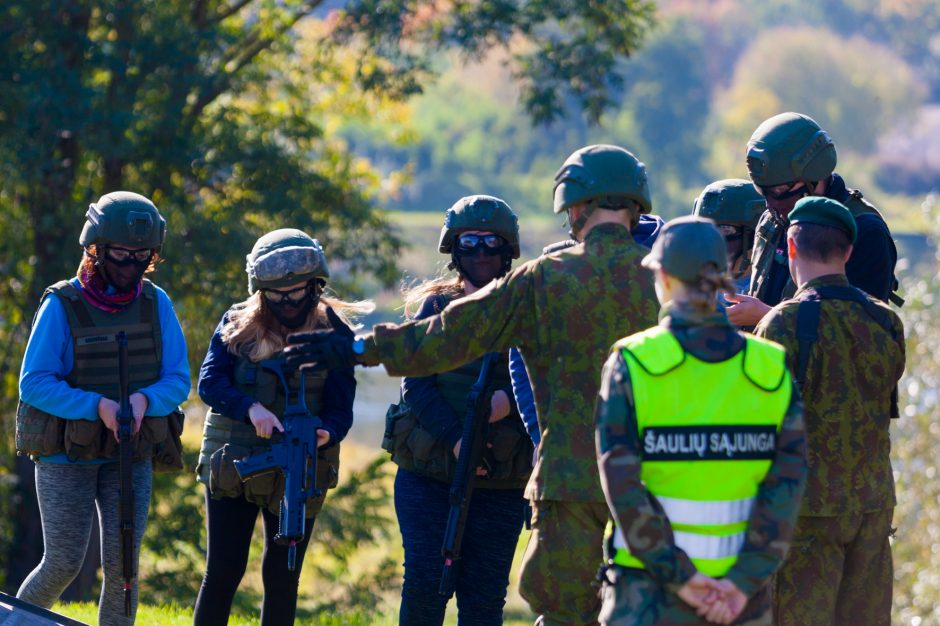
230, 522
494, 522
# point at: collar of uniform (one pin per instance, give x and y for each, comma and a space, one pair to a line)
822, 281
672, 315
608, 233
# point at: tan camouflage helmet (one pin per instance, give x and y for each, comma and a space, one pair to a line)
285, 257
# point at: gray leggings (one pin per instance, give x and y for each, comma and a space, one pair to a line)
67, 494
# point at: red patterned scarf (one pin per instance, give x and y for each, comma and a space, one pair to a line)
95, 290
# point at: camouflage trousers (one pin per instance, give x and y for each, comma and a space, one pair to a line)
559, 570
632, 598
838, 572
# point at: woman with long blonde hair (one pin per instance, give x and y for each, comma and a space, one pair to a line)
287, 275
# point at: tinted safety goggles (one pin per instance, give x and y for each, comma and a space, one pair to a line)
123, 255
490, 244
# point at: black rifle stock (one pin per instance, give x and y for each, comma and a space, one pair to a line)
475, 424
293, 453
125, 419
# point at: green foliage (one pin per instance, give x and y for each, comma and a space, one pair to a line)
355, 522
563, 50
861, 85
347, 571
173, 556
917, 580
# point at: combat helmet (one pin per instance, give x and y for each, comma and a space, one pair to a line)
603, 176
790, 147
285, 257
737, 202
123, 218
480, 212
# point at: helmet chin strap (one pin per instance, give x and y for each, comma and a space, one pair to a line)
578, 225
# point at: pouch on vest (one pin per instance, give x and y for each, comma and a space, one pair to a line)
224, 481
326, 478
421, 444
153, 431
84, 440
504, 444
37, 432
398, 419
261, 487
168, 453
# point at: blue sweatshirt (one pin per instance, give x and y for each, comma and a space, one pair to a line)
50, 356
217, 389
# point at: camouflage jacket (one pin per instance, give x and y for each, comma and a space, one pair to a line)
639, 514
563, 310
853, 370
870, 268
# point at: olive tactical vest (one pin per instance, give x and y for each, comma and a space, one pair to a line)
95, 369
508, 454
262, 385
241, 440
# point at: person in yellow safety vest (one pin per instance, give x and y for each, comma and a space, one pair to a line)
701, 450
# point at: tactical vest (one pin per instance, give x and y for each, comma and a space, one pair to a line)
95, 369
770, 240
226, 440
507, 457
704, 458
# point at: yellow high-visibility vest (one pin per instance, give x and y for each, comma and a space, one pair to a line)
708, 436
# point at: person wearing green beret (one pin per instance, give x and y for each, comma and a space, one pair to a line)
701, 451
790, 157
846, 350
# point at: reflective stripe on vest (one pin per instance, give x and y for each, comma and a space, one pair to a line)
708, 433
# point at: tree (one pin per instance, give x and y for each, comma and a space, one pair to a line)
210, 108
854, 88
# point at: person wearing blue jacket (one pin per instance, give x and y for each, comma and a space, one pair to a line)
69, 387
287, 273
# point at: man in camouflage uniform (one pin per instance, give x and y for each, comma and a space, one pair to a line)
790, 157
664, 573
562, 310
846, 350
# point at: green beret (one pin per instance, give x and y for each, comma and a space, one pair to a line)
826, 212
684, 245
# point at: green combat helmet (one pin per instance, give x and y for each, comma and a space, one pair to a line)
480, 213
735, 202
790, 147
285, 257
123, 218
603, 176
